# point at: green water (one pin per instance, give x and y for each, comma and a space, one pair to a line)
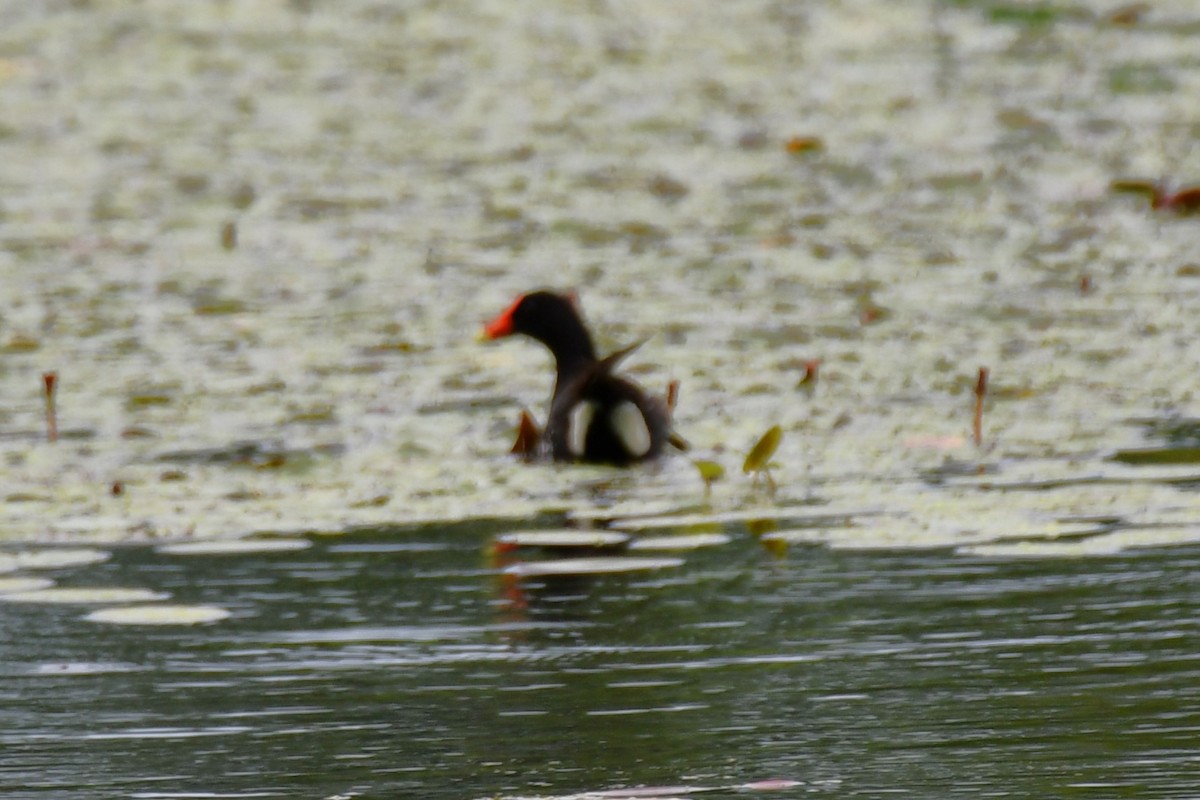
254, 241
398, 663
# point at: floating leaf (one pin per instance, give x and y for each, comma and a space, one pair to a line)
243, 196
692, 541
372, 502
84, 595
1139, 78
762, 451
567, 539
57, 558
795, 536
803, 144
770, 785
1025, 14
220, 547
641, 792
22, 584
803, 514
20, 344
1128, 15
1158, 455
760, 527
159, 615
590, 566
390, 346
666, 187
776, 547
1146, 188
229, 235
1104, 543
710, 472
147, 399
214, 306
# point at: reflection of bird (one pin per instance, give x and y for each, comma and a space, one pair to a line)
595, 415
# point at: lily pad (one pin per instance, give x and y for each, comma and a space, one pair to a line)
710, 471
627, 509
53, 558
796, 536
726, 517
233, 547
1159, 455
1103, 544
85, 595
590, 566
23, 584
683, 542
159, 615
566, 539
759, 456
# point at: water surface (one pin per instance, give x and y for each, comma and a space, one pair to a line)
254, 241
400, 663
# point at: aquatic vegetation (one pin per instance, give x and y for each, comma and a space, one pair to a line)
710, 472
158, 614
980, 394
248, 349
758, 460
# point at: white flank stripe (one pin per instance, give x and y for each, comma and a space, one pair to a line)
577, 427
631, 428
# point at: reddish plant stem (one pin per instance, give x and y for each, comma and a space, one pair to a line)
50, 382
811, 369
672, 395
980, 393
1182, 201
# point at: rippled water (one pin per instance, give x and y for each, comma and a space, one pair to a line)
253, 240
402, 663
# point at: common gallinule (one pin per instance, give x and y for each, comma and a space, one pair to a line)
595, 415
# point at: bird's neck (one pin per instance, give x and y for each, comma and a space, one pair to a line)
574, 354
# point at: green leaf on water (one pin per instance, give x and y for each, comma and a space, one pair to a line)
710, 471
159, 615
1158, 455
759, 456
